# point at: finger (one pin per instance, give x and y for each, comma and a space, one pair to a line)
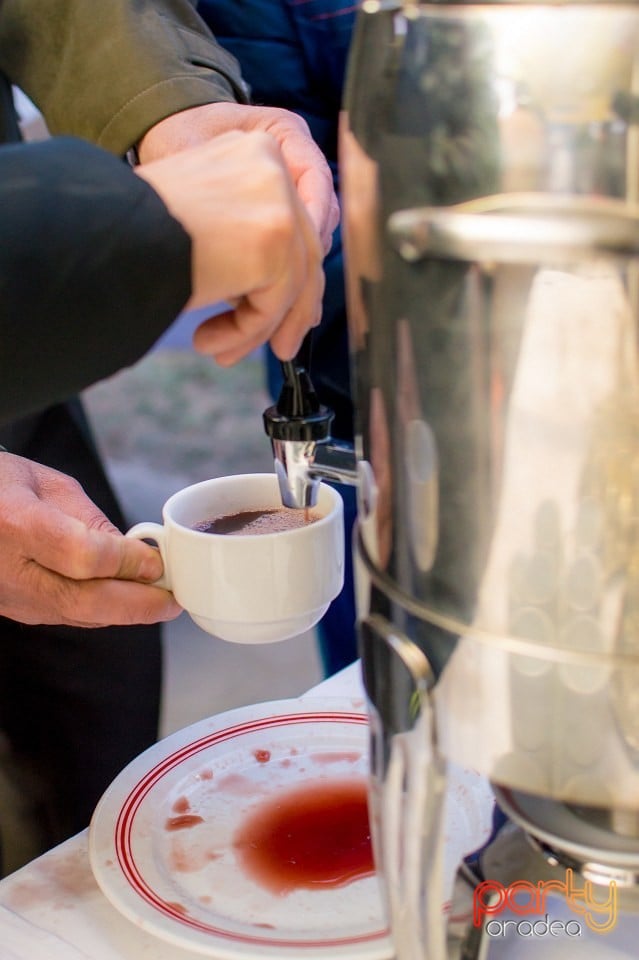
319, 198
67, 546
290, 298
291, 341
137, 561
95, 603
306, 313
233, 334
312, 177
305, 308
95, 549
35, 500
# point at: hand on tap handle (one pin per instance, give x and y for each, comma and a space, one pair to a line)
235, 192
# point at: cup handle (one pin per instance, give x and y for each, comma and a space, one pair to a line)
153, 531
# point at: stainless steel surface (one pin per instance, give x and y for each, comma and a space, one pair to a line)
301, 465
408, 792
518, 228
490, 174
291, 463
497, 381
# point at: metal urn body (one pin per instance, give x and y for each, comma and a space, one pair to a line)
490, 173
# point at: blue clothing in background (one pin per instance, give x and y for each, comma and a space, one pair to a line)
293, 54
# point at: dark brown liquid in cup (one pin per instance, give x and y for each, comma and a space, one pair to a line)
273, 520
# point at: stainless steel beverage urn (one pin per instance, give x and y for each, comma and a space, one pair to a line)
490, 174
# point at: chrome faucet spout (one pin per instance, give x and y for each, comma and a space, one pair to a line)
300, 466
292, 459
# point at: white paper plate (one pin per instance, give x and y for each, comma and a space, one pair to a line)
187, 886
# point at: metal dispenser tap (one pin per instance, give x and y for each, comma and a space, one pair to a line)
299, 427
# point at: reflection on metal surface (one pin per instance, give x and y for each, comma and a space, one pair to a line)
423, 492
518, 228
409, 780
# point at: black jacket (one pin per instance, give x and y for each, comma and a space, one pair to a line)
92, 270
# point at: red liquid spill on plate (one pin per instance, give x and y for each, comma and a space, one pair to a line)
183, 822
315, 836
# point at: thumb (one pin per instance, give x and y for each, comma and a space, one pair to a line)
72, 548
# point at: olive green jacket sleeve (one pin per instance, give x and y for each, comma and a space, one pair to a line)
108, 70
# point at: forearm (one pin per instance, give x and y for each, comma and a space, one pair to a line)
122, 266
109, 71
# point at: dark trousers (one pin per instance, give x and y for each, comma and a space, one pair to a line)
76, 705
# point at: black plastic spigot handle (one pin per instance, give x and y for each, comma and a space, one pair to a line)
298, 397
303, 356
298, 414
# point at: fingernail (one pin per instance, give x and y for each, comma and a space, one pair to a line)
151, 567
171, 610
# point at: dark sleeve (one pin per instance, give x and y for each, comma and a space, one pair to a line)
108, 70
93, 269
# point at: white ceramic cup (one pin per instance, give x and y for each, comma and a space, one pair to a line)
249, 588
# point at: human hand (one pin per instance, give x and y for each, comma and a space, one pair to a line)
254, 245
306, 163
62, 561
